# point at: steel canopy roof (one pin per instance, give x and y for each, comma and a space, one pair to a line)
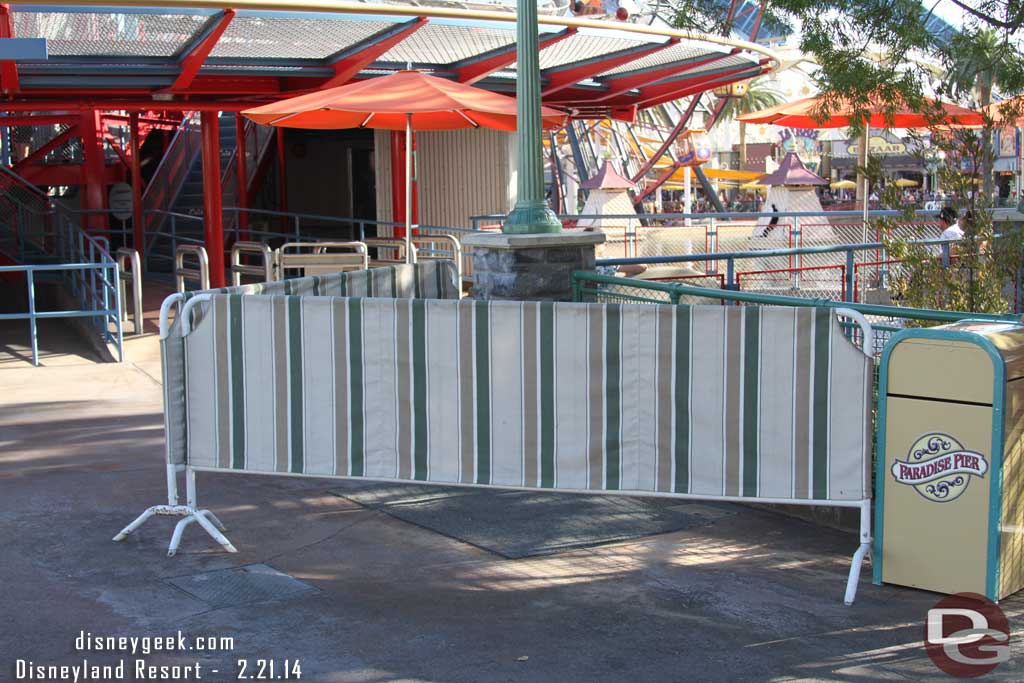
234, 55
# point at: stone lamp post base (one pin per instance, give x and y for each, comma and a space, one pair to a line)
529, 267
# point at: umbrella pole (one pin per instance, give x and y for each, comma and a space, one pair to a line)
408, 188
867, 142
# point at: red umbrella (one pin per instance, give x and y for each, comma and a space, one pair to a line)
408, 100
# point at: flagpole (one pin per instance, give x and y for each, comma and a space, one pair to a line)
408, 188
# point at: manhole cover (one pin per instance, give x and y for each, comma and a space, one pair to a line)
241, 585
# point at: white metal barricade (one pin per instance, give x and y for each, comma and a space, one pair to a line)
439, 247
201, 274
390, 251
265, 270
125, 256
320, 258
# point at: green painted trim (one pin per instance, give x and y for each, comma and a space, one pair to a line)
419, 389
613, 397
820, 402
355, 378
992, 569
681, 398
547, 395
751, 391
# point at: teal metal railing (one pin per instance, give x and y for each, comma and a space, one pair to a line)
593, 287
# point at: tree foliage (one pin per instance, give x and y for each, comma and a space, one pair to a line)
978, 273
883, 52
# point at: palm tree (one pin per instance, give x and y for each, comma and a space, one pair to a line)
759, 96
977, 61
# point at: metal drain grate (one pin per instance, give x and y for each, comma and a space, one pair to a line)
241, 585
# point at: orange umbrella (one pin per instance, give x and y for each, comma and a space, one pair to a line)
405, 100
993, 110
798, 114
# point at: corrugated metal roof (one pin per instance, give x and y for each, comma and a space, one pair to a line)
141, 50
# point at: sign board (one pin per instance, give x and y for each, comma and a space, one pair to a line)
879, 146
120, 201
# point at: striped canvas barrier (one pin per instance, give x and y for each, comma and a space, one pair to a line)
716, 402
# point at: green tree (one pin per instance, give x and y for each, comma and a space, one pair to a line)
759, 96
980, 271
901, 35
977, 61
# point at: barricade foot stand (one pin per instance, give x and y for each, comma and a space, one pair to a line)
863, 551
189, 513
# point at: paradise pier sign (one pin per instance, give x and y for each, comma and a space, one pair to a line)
939, 468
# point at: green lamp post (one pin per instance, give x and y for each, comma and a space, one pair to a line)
531, 214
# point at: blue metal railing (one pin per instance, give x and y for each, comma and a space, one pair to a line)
91, 277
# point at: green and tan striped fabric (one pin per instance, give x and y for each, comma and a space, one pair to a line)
434, 279
707, 400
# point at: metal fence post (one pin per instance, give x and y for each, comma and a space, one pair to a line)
32, 316
849, 275
730, 273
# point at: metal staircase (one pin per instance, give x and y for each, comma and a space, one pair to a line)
173, 201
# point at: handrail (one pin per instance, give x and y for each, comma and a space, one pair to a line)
163, 189
318, 258
266, 271
200, 274
396, 243
675, 291
453, 242
124, 257
33, 316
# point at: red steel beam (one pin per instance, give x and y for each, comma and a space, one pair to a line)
93, 170
135, 104
109, 139
213, 218
36, 120
138, 227
619, 85
659, 181
349, 62
242, 176
702, 87
45, 149
9, 82
561, 77
192, 61
475, 68
657, 93
697, 89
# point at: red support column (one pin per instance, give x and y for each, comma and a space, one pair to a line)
93, 168
242, 169
213, 219
398, 183
138, 227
